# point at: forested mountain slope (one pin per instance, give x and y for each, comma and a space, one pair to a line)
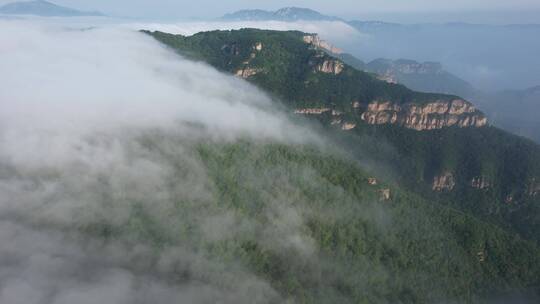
319, 229
438, 145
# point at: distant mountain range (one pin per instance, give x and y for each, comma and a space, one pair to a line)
426, 77
394, 40
284, 14
43, 8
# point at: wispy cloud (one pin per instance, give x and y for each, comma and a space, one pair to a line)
98, 128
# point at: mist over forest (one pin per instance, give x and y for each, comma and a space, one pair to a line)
261, 161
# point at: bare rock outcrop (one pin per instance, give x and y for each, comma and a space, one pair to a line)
429, 116
389, 78
258, 46
247, 72
480, 182
481, 255
317, 42
312, 111
413, 67
385, 194
336, 121
348, 126
444, 182
330, 66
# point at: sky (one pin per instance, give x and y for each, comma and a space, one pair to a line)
409, 11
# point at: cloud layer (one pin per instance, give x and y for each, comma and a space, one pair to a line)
335, 31
98, 129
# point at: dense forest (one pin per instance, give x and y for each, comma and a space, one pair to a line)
507, 165
287, 62
316, 226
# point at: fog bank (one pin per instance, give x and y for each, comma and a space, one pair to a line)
98, 134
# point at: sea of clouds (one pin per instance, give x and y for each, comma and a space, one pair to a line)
99, 123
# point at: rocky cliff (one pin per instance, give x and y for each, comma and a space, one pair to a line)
444, 182
407, 66
420, 76
330, 66
428, 116
480, 182
317, 42
246, 70
449, 161
393, 71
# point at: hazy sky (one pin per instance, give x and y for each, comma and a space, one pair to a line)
491, 11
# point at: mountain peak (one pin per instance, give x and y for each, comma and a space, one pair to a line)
42, 8
283, 14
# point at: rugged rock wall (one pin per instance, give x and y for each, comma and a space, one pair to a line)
413, 67
480, 182
311, 111
330, 66
348, 126
247, 72
385, 194
388, 77
444, 182
388, 70
317, 42
433, 115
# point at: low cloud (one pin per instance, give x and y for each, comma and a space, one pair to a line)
112, 78
98, 133
336, 32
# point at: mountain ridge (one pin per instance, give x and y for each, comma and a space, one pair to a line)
284, 14
43, 8
389, 70
442, 145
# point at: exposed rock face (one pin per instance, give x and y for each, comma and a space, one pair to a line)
385, 194
317, 42
311, 111
247, 72
388, 70
444, 182
433, 115
336, 121
533, 189
481, 255
258, 46
389, 78
330, 66
348, 126
413, 67
480, 182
